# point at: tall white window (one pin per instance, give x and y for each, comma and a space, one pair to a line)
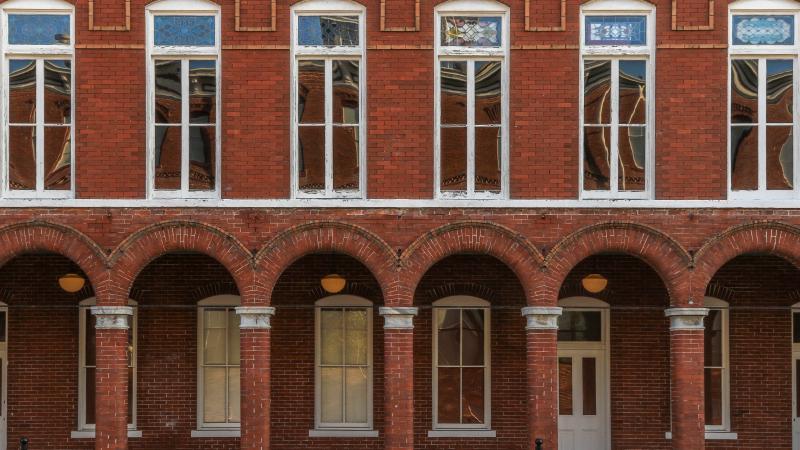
183, 117
461, 368
717, 377
38, 116
762, 134
471, 99
218, 365
328, 99
87, 354
616, 133
343, 363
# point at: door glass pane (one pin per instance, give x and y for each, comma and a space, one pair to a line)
448, 331
214, 394
472, 407
589, 376
744, 158
632, 92
580, 326
57, 91
168, 91
713, 338
596, 158
345, 92
345, 158
454, 158
597, 92
779, 91
488, 144
780, 157
331, 394
356, 395
713, 389
203, 91
453, 97
332, 338
565, 386
632, 158
214, 344
448, 399
22, 91
311, 157
234, 395
488, 92
311, 91
744, 91
472, 336
356, 332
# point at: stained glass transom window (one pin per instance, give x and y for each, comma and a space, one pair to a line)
38, 29
616, 30
460, 31
763, 30
184, 31
327, 30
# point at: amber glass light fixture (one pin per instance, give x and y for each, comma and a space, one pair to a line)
71, 282
333, 283
594, 283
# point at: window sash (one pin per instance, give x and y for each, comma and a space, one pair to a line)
227, 366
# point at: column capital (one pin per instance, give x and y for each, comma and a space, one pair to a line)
398, 318
255, 317
686, 318
111, 317
541, 317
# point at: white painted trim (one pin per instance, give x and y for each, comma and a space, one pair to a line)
485, 434
712, 436
686, 318
343, 433
90, 434
712, 303
398, 318
541, 317
211, 433
255, 317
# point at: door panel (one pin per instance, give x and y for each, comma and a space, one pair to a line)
582, 400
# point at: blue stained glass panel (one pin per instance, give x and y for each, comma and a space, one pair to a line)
184, 31
327, 30
38, 29
763, 30
616, 30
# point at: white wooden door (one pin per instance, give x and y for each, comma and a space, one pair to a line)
583, 399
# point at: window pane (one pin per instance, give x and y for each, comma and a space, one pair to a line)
744, 158
762, 30
90, 354
597, 92
168, 91
203, 91
234, 395
488, 144
311, 91
488, 90
596, 154
580, 326
472, 337
345, 158
331, 338
713, 338
214, 394
448, 398
744, 91
632, 155
214, 336
21, 157
779, 90
331, 394
202, 158
632, 92
448, 324
233, 337
461, 31
3, 324
796, 330
22, 91
713, 389
565, 386
131, 400
356, 395
57, 158
453, 101
454, 158
90, 395
57, 91
589, 386
345, 91
311, 157
616, 30
327, 30
38, 29
357, 340
797, 383
184, 31
472, 395
780, 158
168, 157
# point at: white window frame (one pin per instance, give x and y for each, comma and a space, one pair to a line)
86, 312
472, 8
340, 301
329, 54
723, 307
184, 54
460, 302
615, 54
38, 53
217, 301
763, 53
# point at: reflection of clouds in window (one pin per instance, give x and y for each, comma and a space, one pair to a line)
327, 30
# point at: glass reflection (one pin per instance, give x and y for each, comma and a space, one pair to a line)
454, 158
345, 91
22, 157
744, 91
580, 326
168, 157
713, 400
331, 379
168, 91
345, 158
57, 91
779, 90
597, 92
596, 158
453, 92
780, 158
202, 91
488, 90
22, 91
57, 158
488, 145
744, 158
448, 400
448, 336
327, 30
632, 154
472, 337
472, 408
202, 157
632, 92
311, 91
311, 158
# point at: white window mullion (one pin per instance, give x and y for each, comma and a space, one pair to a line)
328, 128
614, 156
762, 121
39, 125
184, 125
470, 127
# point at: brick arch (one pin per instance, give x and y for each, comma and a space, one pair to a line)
663, 254
139, 249
773, 238
317, 237
487, 238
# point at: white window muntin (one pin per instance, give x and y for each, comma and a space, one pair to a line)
328, 54
481, 8
341, 302
722, 307
463, 302
183, 54
84, 317
217, 302
39, 53
616, 53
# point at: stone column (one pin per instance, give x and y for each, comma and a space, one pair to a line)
542, 354
254, 348
398, 368
111, 376
687, 376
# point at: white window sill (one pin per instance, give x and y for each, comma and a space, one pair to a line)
713, 435
89, 434
462, 434
343, 433
219, 433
